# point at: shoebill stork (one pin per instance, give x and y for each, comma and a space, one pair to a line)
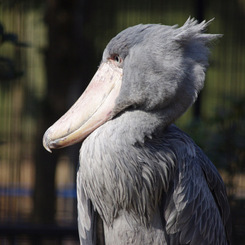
145, 178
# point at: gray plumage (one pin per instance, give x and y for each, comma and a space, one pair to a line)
146, 179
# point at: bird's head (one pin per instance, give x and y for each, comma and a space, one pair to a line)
154, 68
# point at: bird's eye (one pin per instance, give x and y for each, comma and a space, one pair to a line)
117, 59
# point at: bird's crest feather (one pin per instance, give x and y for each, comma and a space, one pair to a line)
194, 30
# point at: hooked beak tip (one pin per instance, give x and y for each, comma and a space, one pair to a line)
46, 142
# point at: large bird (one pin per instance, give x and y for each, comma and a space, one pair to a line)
145, 178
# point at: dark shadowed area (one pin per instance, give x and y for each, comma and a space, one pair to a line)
49, 51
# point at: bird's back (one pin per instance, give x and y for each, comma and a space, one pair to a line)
196, 209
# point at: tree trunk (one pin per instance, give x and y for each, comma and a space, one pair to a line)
66, 61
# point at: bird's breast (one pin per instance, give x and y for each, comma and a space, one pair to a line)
117, 175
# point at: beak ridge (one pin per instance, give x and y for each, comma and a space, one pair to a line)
92, 109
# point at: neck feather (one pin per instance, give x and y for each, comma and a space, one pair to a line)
122, 159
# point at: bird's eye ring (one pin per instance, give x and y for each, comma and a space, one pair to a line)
117, 58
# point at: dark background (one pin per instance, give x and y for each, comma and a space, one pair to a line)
49, 51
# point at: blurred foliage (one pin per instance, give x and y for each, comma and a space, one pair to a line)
8, 69
222, 137
228, 140
23, 3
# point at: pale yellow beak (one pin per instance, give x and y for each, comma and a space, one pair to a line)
92, 109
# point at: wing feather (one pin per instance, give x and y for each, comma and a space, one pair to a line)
218, 190
197, 211
86, 216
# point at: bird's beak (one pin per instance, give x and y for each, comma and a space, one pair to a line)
92, 109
